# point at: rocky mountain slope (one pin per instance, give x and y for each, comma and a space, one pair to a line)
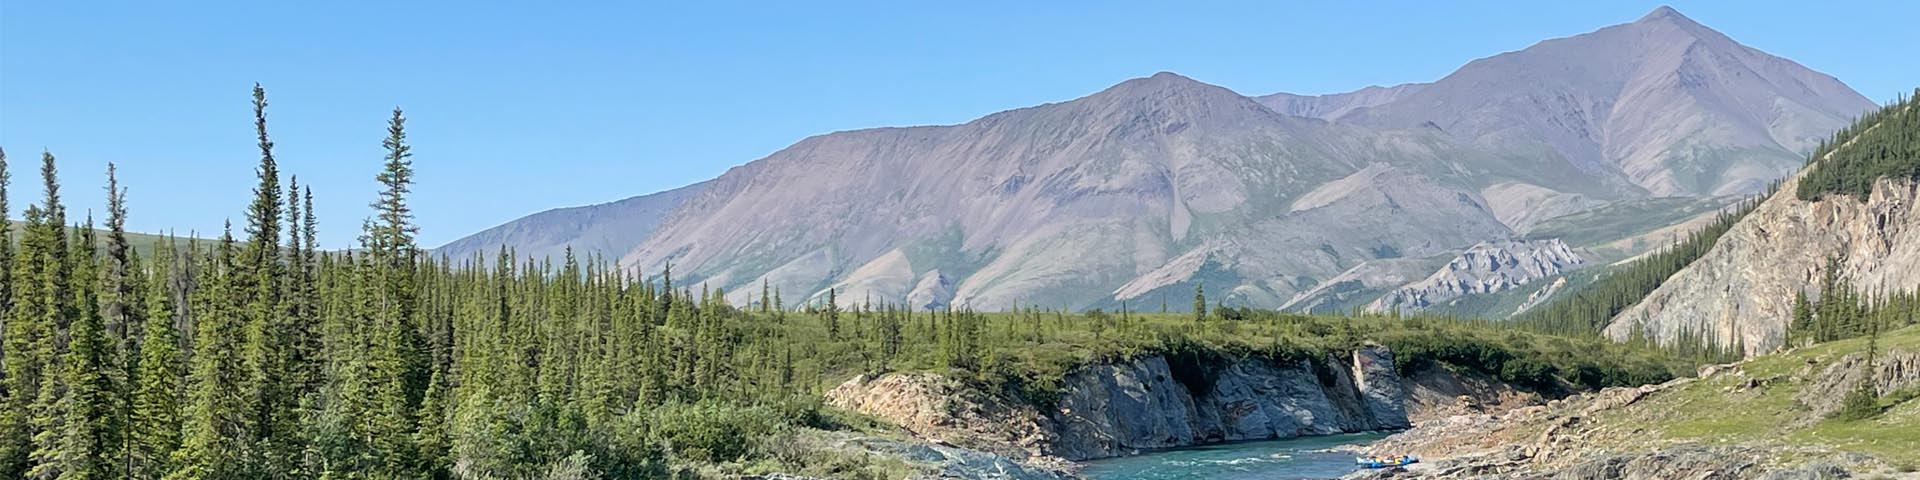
1663, 103
605, 229
1142, 187
1138, 193
1485, 268
1742, 291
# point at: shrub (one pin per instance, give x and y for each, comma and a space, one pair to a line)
1859, 404
1528, 372
712, 432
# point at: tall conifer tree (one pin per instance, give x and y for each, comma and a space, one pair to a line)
155, 432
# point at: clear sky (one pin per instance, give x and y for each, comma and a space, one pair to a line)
517, 107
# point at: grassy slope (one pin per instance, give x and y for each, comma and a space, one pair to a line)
1621, 220
142, 241
1713, 410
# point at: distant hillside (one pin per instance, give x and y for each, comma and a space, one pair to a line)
141, 241
607, 229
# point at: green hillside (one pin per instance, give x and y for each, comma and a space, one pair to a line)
1885, 143
141, 241
1764, 404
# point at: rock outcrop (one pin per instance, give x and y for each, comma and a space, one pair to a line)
1120, 409
1485, 268
1436, 392
1741, 292
943, 410
1894, 371
1147, 403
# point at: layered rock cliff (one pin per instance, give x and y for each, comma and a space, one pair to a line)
1488, 267
1741, 292
1117, 409
1147, 403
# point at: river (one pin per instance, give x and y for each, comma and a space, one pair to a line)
1297, 458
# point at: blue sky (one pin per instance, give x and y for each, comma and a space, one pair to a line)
519, 107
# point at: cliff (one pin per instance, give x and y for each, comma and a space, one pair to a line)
1147, 403
1488, 267
1118, 409
1741, 292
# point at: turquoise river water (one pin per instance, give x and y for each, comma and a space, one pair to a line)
1298, 458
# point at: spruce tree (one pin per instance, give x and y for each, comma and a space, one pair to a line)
155, 432
89, 446
217, 420
43, 305
833, 315
260, 281
1199, 303
16, 347
118, 294
396, 364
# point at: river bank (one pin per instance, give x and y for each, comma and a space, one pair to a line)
1162, 406
1772, 417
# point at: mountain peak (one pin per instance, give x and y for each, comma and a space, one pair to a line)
1166, 87
1163, 80
1668, 15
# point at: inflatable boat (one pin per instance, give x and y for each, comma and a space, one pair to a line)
1386, 462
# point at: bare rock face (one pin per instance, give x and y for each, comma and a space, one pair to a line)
1120, 409
1363, 283
1147, 403
1382, 391
1540, 296
1742, 290
939, 409
1485, 268
1895, 370
933, 290
1436, 392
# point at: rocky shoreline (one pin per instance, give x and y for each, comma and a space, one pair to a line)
1462, 425
1572, 438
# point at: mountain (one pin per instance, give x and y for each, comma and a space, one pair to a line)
607, 228
1156, 183
1741, 292
1662, 104
1141, 192
1328, 107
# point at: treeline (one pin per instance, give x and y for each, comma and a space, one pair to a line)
1587, 311
1881, 144
1844, 312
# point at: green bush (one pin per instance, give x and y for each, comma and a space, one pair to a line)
1528, 372
713, 432
1859, 404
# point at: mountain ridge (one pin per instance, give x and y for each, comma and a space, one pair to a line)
1163, 183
